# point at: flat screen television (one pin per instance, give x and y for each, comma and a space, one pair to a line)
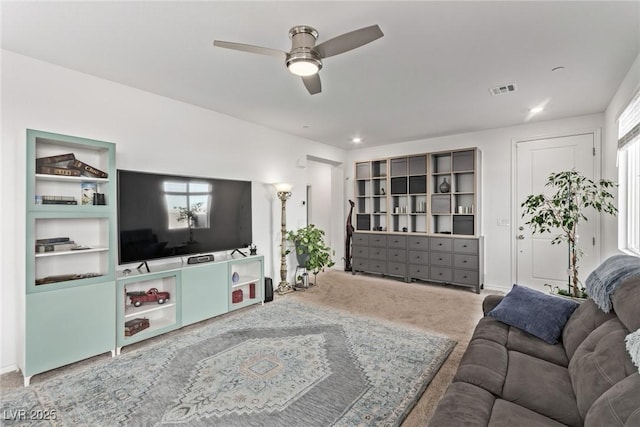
162, 216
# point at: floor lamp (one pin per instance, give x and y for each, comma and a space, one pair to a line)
284, 192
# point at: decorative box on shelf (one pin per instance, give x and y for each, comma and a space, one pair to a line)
236, 296
134, 326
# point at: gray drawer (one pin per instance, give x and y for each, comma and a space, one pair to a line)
465, 246
419, 242
419, 257
440, 259
440, 244
378, 253
360, 252
396, 255
397, 269
441, 274
377, 266
418, 271
465, 277
361, 264
360, 239
465, 261
397, 242
378, 241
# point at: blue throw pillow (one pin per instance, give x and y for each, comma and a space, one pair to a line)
537, 313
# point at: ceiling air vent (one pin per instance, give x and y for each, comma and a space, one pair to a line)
499, 90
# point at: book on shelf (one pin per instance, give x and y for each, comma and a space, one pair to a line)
55, 247
65, 277
87, 169
56, 200
60, 171
52, 160
53, 240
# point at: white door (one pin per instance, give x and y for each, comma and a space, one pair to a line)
538, 261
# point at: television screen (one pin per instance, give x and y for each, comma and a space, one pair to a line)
161, 216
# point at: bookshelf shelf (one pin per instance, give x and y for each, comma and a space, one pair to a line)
74, 252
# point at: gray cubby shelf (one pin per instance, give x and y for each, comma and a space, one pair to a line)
404, 194
415, 230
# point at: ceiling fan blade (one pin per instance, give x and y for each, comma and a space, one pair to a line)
312, 83
348, 41
250, 48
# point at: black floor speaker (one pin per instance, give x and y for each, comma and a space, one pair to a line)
268, 289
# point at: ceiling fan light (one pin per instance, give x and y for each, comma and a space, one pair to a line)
303, 64
303, 68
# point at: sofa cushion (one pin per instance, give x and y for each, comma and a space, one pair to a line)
600, 362
463, 404
526, 343
508, 414
620, 405
584, 320
542, 387
483, 364
491, 329
535, 312
516, 339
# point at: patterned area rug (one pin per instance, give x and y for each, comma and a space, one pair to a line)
281, 364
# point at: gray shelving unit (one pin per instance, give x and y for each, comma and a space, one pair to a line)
426, 225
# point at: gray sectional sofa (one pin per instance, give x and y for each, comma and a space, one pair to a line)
508, 377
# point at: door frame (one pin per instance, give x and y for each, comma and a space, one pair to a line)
515, 209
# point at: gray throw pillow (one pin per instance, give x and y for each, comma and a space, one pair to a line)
535, 312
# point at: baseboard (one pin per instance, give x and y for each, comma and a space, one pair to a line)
498, 288
7, 369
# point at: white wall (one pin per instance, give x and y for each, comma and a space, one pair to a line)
497, 176
320, 206
152, 133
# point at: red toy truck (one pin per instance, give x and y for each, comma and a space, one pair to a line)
152, 295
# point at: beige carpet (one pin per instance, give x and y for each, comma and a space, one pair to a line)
452, 311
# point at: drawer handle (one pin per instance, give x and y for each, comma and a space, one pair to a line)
464, 262
464, 246
440, 274
464, 277
439, 259
439, 244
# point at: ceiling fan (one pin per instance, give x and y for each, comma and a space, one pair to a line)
305, 57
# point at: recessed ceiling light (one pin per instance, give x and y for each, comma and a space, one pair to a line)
536, 110
356, 140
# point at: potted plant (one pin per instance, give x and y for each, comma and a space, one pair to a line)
564, 208
311, 251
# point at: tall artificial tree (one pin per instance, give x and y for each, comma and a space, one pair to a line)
564, 210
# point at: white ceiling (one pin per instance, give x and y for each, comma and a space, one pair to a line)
428, 76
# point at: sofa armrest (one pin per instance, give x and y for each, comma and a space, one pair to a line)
490, 302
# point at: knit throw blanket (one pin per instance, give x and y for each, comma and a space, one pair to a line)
604, 280
633, 347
